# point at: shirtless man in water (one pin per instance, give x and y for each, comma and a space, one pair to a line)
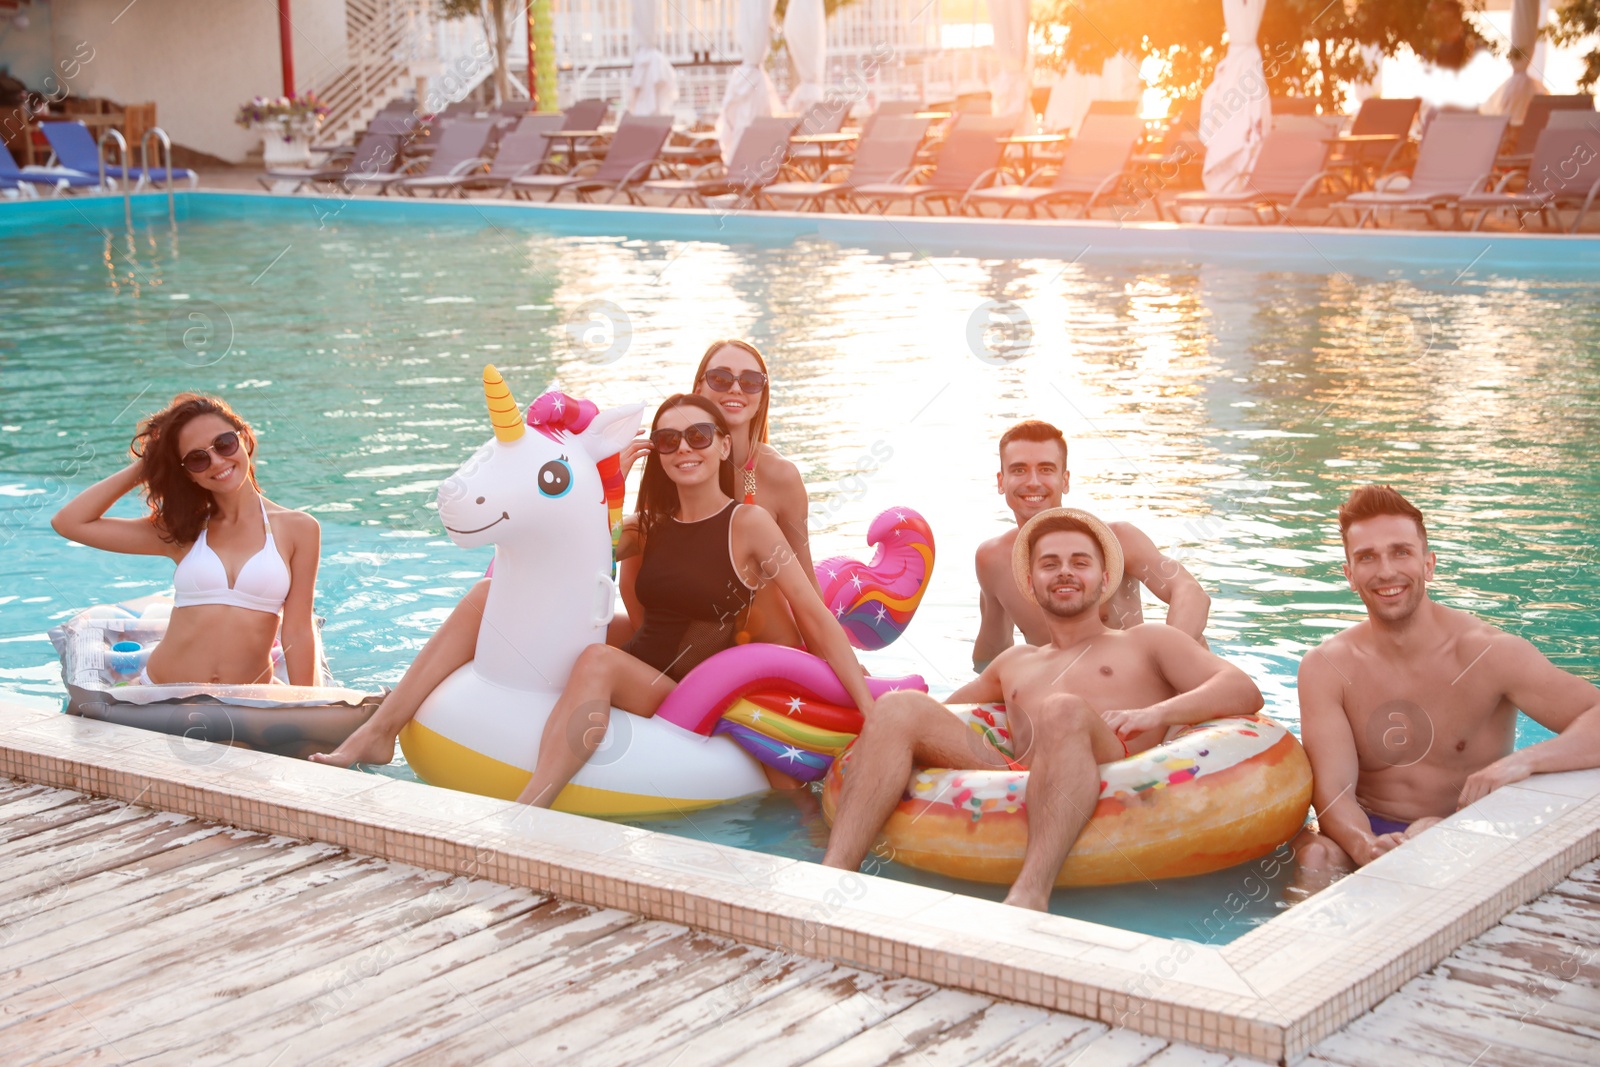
1412, 715
1088, 695
1033, 477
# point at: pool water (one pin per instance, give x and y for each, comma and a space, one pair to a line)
1226, 410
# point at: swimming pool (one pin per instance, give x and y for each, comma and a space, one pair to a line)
1223, 407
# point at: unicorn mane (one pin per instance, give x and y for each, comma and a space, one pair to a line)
557, 415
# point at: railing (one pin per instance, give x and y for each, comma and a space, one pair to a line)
165, 160
122, 144
384, 38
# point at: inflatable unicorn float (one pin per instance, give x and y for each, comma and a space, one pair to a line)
546, 491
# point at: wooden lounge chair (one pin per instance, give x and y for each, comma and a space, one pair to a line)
1565, 172
968, 160
1379, 116
75, 149
461, 152
1290, 173
635, 149
1540, 108
1095, 167
757, 160
525, 150
376, 154
29, 180
886, 155
1455, 159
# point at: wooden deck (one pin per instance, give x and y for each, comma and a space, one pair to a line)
131, 935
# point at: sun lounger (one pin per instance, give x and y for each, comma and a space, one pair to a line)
1534, 120
1290, 173
1095, 166
1379, 116
635, 148
1455, 159
757, 160
461, 151
886, 155
376, 155
75, 149
29, 180
1565, 172
522, 151
968, 160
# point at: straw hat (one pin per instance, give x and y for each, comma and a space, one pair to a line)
1110, 548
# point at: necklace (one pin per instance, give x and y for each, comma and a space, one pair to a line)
750, 476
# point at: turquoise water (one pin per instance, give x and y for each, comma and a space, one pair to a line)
1226, 409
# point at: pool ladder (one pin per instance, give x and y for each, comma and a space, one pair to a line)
121, 144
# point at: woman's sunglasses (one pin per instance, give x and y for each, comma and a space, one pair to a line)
720, 379
699, 436
199, 461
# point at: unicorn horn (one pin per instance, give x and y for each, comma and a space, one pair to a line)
503, 411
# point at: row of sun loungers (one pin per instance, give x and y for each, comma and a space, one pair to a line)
76, 165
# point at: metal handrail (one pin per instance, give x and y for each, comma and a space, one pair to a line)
122, 143
144, 164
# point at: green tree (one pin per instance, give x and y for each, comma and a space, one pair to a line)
1576, 21
1317, 48
498, 17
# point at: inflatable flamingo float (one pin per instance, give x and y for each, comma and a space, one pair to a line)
547, 493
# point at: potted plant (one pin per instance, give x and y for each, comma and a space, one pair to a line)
286, 124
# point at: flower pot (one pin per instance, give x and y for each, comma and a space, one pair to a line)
278, 151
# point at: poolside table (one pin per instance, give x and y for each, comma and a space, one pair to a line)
824, 141
1027, 142
572, 137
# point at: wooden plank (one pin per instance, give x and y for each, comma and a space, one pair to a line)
1540, 953
37, 799
15, 788
505, 1014
466, 996
182, 891
348, 1006
156, 939
15, 827
1363, 1044
1113, 1048
1536, 1007
529, 1037
85, 856
979, 1038
50, 846
1182, 1055
148, 1025
802, 1023
779, 973
1047, 1044
907, 1031
1460, 1030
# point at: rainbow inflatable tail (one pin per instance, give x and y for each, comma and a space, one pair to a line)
783, 706
875, 601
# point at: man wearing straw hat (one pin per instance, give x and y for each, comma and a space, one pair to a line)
1090, 695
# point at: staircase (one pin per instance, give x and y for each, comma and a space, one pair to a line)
388, 44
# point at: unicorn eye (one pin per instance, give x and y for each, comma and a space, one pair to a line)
555, 478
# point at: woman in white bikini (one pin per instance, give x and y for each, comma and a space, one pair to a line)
247, 568
733, 376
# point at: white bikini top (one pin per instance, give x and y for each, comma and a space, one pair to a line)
262, 585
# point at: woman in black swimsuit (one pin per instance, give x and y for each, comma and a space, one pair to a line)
702, 558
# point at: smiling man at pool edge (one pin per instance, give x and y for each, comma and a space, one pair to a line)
1033, 477
1412, 715
1089, 695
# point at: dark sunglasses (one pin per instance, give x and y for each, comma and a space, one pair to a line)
699, 436
721, 379
199, 461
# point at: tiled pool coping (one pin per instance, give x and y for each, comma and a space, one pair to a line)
1271, 994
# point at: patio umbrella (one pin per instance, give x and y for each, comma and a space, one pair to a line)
1008, 88
750, 92
1235, 112
652, 83
805, 31
1512, 97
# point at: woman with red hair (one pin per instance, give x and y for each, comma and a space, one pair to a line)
246, 569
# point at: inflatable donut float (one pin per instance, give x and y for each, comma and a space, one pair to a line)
1219, 793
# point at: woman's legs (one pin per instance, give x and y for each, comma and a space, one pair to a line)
451, 646
602, 677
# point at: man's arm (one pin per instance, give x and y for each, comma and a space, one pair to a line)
996, 631
1208, 686
1554, 699
986, 688
1331, 746
1188, 605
